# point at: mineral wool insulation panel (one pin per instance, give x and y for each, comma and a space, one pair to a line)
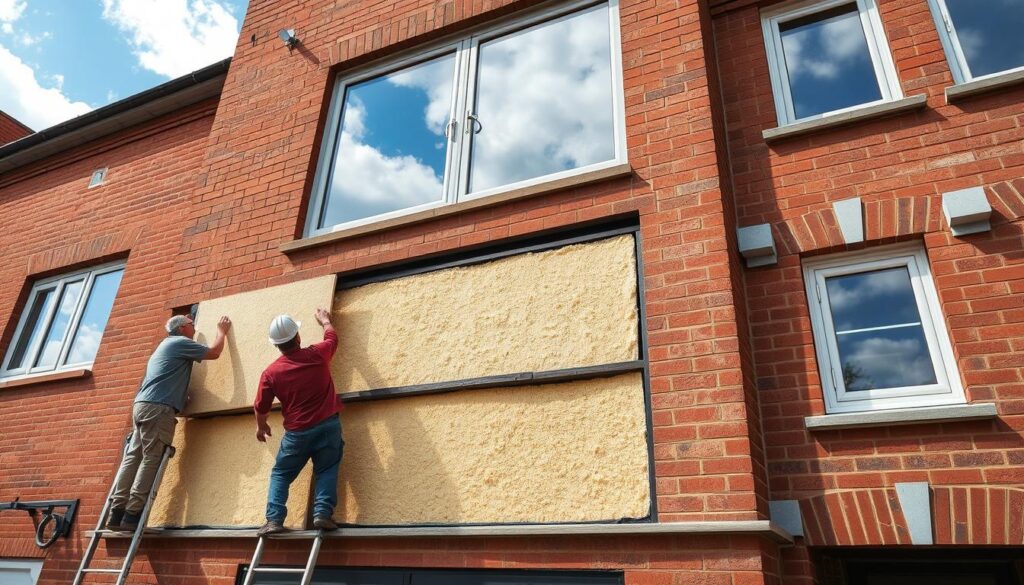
229, 383
569, 307
569, 452
220, 474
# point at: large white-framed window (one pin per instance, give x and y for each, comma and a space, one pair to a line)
879, 334
981, 39
827, 57
63, 321
532, 100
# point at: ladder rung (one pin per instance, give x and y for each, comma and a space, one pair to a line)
276, 570
101, 570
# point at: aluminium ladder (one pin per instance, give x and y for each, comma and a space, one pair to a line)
307, 572
122, 573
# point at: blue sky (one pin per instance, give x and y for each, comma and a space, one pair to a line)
61, 58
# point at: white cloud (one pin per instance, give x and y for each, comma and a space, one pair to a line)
822, 51
846, 293
880, 362
175, 37
6, 28
26, 99
11, 10
26, 38
86, 344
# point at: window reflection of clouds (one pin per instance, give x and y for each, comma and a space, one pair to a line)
373, 171
55, 336
872, 299
828, 63
890, 358
544, 97
94, 318
989, 34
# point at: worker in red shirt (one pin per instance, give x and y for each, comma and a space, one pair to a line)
301, 380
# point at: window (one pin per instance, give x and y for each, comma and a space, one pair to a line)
63, 321
97, 178
879, 333
532, 101
980, 39
826, 58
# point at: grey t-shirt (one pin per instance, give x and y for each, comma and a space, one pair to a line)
169, 370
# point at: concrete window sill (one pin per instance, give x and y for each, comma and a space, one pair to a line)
764, 528
914, 102
42, 378
973, 88
612, 172
901, 416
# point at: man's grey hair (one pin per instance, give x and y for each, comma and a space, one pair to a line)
175, 323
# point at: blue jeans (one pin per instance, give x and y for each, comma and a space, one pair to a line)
323, 444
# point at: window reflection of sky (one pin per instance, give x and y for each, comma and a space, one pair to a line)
892, 352
827, 62
392, 149
58, 327
94, 318
989, 33
544, 99
33, 327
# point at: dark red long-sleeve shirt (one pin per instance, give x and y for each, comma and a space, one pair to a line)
301, 380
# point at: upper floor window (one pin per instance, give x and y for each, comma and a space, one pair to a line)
826, 58
981, 39
63, 321
535, 100
878, 330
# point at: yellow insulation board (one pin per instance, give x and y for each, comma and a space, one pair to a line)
569, 307
569, 452
220, 475
229, 383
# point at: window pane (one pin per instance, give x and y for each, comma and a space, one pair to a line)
33, 327
989, 33
58, 327
392, 149
544, 99
887, 358
94, 318
872, 299
827, 62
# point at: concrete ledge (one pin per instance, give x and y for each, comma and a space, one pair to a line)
42, 378
913, 102
763, 528
611, 172
901, 416
972, 88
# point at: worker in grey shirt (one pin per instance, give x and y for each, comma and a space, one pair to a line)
161, 396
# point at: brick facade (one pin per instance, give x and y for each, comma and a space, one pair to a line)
200, 200
11, 129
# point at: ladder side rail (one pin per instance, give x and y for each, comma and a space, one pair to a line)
94, 541
133, 548
251, 573
307, 576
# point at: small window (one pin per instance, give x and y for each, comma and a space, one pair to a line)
531, 101
63, 322
97, 178
981, 39
826, 58
879, 334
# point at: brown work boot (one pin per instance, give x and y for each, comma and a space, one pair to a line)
114, 519
324, 523
271, 527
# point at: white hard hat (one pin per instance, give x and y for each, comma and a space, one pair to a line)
283, 329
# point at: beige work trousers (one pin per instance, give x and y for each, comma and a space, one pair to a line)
154, 429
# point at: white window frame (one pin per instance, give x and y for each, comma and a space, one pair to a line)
947, 389
878, 48
456, 178
958, 65
57, 283
97, 178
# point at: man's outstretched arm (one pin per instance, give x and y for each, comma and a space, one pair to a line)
218, 342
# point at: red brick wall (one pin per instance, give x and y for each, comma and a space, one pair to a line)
11, 129
899, 166
62, 440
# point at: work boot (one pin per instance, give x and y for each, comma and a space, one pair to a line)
130, 521
324, 523
271, 527
114, 519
